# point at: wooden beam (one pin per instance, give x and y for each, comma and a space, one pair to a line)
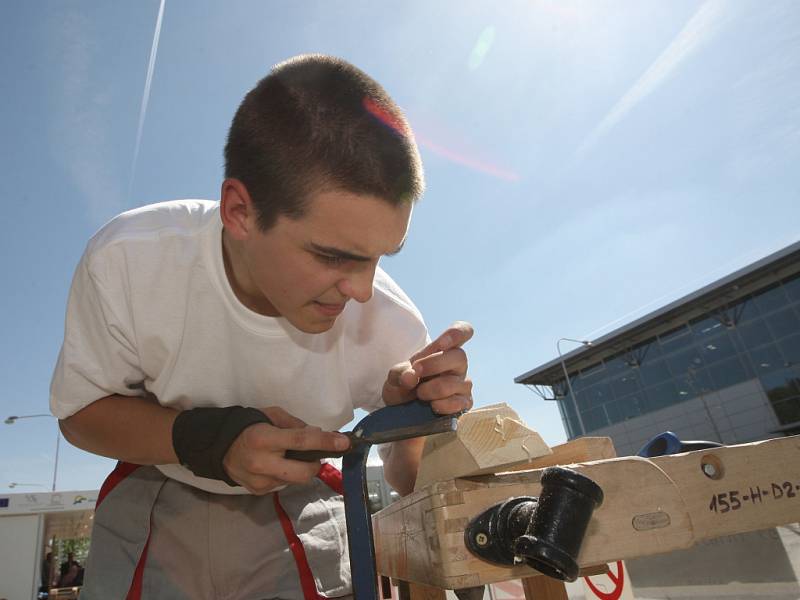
420, 591
544, 588
651, 506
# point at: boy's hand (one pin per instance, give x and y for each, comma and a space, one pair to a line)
436, 374
256, 459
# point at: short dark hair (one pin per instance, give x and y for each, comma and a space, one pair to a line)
314, 122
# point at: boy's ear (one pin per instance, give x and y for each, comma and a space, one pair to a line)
237, 210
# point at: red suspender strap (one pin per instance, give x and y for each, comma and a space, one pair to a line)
296, 546
120, 472
332, 477
135, 591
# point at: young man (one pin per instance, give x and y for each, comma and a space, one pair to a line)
204, 339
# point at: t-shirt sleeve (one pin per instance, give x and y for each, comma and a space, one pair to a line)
98, 357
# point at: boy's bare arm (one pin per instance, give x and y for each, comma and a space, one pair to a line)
401, 464
128, 428
139, 430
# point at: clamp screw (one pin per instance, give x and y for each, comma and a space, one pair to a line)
481, 539
710, 470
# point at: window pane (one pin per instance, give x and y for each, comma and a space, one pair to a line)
770, 299
728, 372
652, 372
787, 411
783, 323
792, 288
681, 362
766, 359
693, 383
718, 348
594, 419
790, 348
616, 365
568, 418
754, 333
675, 339
592, 371
649, 350
594, 396
781, 385
661, 395
588, 377
571, 417
624, 408
628, 383
577, 383
745, 310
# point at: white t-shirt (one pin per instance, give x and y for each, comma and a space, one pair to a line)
151, 311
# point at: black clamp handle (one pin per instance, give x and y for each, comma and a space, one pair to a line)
544, 532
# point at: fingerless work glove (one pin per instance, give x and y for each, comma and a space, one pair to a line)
201, 437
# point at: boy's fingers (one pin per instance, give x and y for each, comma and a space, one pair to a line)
444, 386
452, 405
452, 361
455, 336
402, 375
267, 472
310, 438
294, 471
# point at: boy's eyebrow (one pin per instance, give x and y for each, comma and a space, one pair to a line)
344, 254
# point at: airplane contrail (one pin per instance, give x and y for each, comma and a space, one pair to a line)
697, 30
151, 65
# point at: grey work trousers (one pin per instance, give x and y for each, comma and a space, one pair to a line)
204, 546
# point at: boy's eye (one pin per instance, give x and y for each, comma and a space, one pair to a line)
330, 260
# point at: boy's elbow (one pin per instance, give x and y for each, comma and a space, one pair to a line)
67, 428
78, 427
402, 483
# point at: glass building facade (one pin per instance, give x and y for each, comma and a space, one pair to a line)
755, 337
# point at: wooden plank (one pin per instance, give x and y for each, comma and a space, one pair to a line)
651, 506
580, 450
487, 439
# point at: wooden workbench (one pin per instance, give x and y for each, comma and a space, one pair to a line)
651, 506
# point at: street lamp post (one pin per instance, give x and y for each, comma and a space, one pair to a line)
566, 376
14, 418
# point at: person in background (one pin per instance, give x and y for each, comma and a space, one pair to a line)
46, 573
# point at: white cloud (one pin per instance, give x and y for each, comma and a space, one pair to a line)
699, 30
81, 116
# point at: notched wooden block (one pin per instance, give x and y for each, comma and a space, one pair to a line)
489, 439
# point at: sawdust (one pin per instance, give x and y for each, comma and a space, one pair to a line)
500, 426
528, 451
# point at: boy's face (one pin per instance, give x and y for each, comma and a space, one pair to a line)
307, 269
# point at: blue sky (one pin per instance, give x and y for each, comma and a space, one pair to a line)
586, 161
